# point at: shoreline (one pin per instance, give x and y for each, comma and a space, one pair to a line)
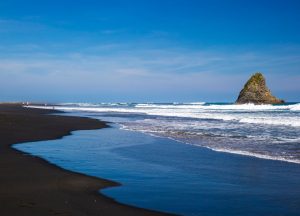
30, 185
216, 149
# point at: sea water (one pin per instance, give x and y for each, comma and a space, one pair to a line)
179, 163
264, 131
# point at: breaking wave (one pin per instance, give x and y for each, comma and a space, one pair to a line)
263, 131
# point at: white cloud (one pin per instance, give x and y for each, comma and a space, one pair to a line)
150, 71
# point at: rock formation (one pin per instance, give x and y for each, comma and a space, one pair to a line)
256, 91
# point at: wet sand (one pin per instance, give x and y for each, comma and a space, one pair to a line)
31, 186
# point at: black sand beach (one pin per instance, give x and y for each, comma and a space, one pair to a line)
31, 186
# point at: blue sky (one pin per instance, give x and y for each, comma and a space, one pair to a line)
146, 50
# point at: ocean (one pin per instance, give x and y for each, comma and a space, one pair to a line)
264, 131
188, 158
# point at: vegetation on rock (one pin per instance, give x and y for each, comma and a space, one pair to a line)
256, 91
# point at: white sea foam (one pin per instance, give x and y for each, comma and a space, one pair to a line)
92, 104
271, 130
79, 104
166, 133
217, 112
196, 105
295, 107
248, 107
169, 106
288, 121
234, 107
251, 154
40, 107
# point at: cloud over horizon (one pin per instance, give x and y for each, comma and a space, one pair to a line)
186, 73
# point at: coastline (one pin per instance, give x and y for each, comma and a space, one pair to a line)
30, 185
207, 181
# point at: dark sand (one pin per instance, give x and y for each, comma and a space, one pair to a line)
31, 186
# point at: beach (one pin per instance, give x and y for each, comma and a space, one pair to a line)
136, 108
30, 185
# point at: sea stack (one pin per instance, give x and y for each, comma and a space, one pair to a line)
256, 91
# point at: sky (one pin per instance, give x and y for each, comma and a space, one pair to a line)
146, 50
